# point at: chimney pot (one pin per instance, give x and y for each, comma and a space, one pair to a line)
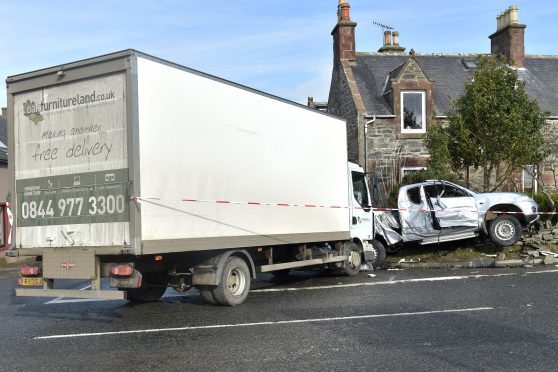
396, 38
344, 11
387, 38
514, 15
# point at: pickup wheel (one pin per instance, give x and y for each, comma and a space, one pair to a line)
505, 230
234, 284
351, 267
152, 288
378, 254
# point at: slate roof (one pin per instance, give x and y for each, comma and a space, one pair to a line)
3, 139
448, 71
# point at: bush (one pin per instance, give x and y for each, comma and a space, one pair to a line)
544, 203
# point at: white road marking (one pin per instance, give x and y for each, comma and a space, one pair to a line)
269, 323
61, 300
387, 282
404, 281
542, 272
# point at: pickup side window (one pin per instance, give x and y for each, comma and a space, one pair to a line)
414, 195
449, 191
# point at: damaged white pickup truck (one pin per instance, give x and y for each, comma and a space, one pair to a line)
440, 211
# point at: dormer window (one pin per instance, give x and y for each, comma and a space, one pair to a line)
413, 112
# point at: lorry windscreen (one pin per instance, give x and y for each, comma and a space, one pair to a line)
360, 190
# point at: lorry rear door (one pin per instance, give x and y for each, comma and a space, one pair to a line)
453, 206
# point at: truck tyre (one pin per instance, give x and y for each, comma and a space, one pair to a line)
378, 254
152, 288
207, 295
234, 284
505, 230
351, 267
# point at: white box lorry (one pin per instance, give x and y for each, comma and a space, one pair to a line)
151, 174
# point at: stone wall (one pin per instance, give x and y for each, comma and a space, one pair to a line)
545, 233
341, 103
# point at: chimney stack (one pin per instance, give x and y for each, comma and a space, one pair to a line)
390, 46
343, 34
4, 112
509, 38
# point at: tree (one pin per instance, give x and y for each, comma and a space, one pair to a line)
494, 126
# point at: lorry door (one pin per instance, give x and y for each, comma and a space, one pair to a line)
453, 206
415, 212
361, 216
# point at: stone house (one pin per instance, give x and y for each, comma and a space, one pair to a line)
390, 97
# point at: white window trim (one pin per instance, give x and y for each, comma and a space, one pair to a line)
535, 183
403, 169
423, 130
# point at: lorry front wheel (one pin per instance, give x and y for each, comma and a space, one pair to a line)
378, 254
505, 230
234, 283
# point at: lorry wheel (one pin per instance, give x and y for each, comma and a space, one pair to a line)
351, 267
152, 288
378, 254
234, 284
505, 230
207, 295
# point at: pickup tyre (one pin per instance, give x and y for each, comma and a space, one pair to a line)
505, 230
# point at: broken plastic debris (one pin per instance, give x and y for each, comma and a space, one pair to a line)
548, 253
366, 267
398, 269
371, 275
489, 255
404, 260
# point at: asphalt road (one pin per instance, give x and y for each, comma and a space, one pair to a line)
399, 320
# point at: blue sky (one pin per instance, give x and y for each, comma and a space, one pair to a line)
283, 47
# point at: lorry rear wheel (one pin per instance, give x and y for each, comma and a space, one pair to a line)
351, 267
207, 295
234, 284
505, 230
152, 288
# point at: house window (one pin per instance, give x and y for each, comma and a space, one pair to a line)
413, 112
530, 179
409, 170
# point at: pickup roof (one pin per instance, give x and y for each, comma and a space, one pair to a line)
437, 211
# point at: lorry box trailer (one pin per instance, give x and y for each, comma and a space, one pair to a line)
152, 174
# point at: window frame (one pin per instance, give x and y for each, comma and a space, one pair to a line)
403, 169
535, 176
423, 107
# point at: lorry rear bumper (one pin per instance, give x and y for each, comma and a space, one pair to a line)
36, 292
